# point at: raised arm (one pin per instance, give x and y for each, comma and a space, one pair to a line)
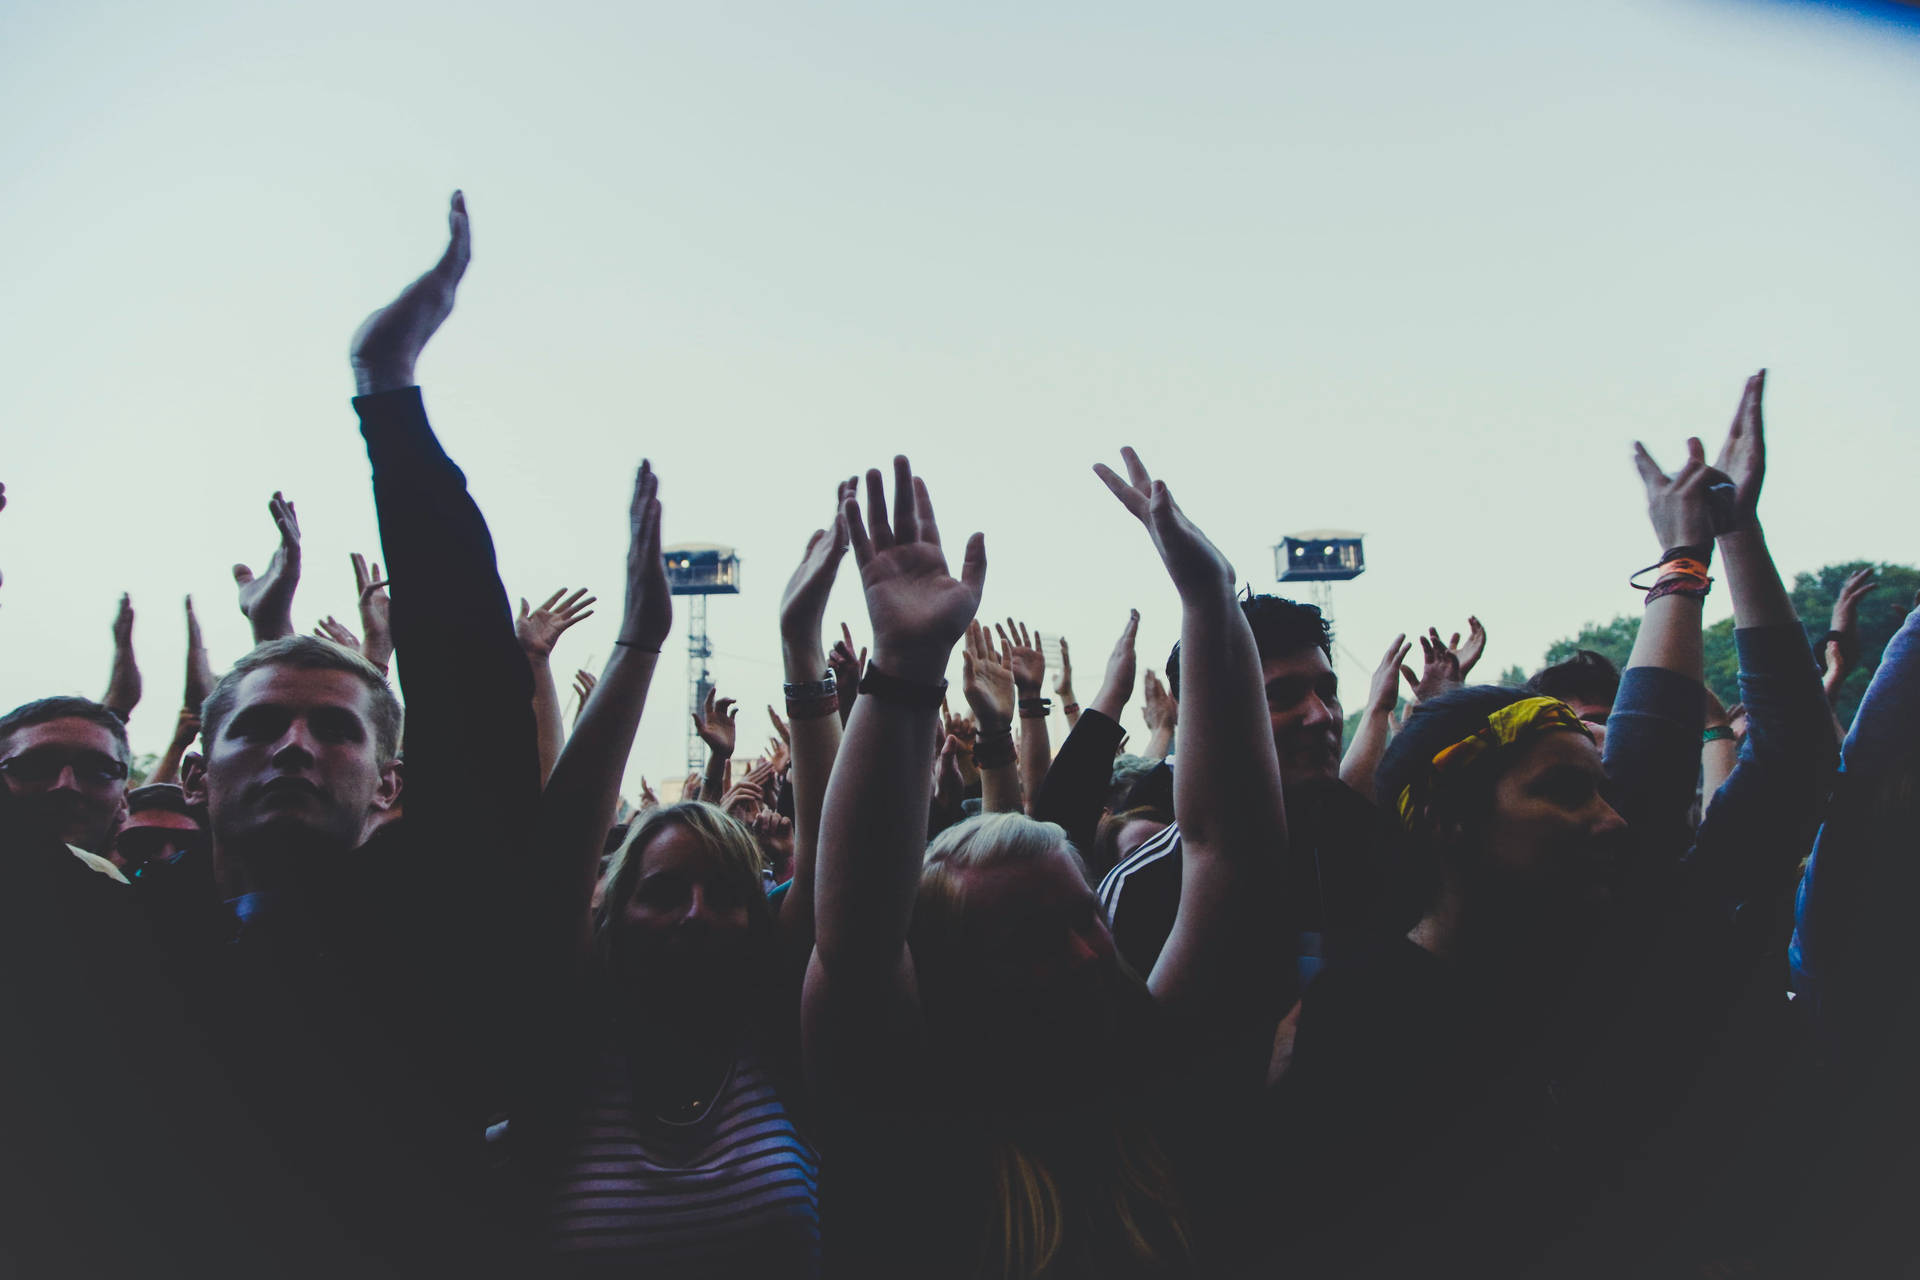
199, 682
123, 681
715, 722
1063, 686
873, 829
185, 730
1161, 710
1227, 797
987, 681
1376, 722
1653, 735
812, 727
538, 631
473, 776
1029, 665
1762, 821
583, 794
1074, 791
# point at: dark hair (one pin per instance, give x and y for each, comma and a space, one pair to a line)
308, 653
1586, 676
168, 798
1433, 726
1280, 627
45, 710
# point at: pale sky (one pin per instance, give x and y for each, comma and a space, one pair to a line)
1420, 271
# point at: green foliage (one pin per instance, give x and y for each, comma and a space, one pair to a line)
141, 769
1881, 614
1514, 676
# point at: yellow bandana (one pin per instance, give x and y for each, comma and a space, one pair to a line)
1510, 724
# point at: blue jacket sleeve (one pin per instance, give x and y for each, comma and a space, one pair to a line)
1850, 916
1762, 820
1653, 759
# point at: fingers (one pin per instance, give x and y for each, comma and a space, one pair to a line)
1131, 498
1136, 470
453, 263
1650, 471
523, 607
1413, 682
973, 565
923, 512
878, 530
856, 536
906, 514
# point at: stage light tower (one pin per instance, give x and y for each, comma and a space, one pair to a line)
699, 570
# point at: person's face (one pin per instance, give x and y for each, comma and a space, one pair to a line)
150, 834
683, 941
1303, 702
295, 766
1042, 999
1552, 837
68, 779
1595, 714
1136, 833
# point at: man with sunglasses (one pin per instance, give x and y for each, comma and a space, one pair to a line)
64, 762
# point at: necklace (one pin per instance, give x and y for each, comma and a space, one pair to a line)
694, 1110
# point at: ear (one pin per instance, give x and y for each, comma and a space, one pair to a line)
193, 777
387, 793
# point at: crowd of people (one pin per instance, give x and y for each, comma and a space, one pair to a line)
1590, 976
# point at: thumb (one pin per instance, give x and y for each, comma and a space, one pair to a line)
242, 574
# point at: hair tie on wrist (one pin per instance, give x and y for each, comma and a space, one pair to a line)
1680, 584
1717, 733
1667, 568
1035, 708
993, 748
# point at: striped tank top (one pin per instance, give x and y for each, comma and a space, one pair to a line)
734, 1193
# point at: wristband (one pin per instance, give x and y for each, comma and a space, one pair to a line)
1035, 708
921, 697
993, 749
1667, 568
1680, 584
1703, 554
1717, 733
807, 690
815, 708
1071, 707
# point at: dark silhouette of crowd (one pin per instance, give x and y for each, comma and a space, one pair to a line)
1590, 976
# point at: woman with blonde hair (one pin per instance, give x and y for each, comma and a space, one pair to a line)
1000, 1095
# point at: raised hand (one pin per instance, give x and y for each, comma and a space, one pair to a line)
1383, 695
1122, 664
917, 609
390, 340
803, 605
1677, 503
1024, 656
540, 629
330, 628
1063, 683
987, 679
714, 722
123, 681
1846, 606
267, 601
376, 612
1468, 654
1191, 559
648, 800
1440, 668
199, 668
583, 682
1158, 707
780, 727
847, 667
649, 612
690, 789
1743, 458
186, 728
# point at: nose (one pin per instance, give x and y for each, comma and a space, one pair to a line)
1608, 821
1317, 711
699, 910
65, 781
295, 747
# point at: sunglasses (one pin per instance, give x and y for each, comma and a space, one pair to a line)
41, 768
